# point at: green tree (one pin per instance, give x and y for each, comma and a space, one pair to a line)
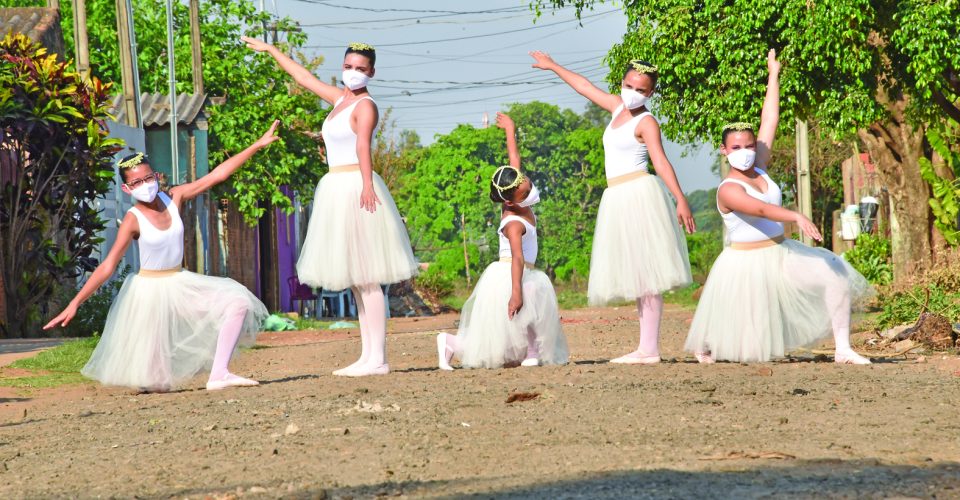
881, 71
54, 159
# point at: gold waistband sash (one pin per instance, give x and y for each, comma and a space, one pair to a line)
753, 245
340, 169
528, 265
621, 179
158, 273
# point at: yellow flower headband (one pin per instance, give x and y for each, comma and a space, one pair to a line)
737, 126
642, 67
361, 46
516, 182
132, 162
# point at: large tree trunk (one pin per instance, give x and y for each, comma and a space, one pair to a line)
896, 148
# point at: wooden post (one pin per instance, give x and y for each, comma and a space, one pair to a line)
196, 52
128, 75
81, 45
174, 119
804, 203
53, 4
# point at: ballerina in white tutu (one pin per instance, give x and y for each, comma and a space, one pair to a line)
765, 294
168, 324
355, 237
512, 315
639, 249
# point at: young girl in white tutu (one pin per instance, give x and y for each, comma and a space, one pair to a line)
639, 249
355, 238
766, 294
168, 324
512, 315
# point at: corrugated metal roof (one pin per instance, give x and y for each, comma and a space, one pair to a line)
156, 108
40, 24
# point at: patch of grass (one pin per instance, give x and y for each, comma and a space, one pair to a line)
47, 380
68, 357
571, 298
312, 324
683, 296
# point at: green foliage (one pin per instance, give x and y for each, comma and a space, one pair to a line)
871, 257
703, 204
703, 248
68, 357
92, 314
905, 306
57, 159
683, 296
945, 202
434, 285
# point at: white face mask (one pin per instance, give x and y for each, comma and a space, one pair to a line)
632, 99
742, 159
145, 192
532, 198
354, 79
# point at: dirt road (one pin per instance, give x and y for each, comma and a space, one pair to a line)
792, 429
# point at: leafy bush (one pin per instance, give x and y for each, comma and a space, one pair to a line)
905, 306
92, 314
703, 248
871, 257
434, 284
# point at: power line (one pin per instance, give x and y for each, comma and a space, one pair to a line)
326, 3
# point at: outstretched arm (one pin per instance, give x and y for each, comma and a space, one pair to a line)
649, 130
224, 170
734, 197
301, 75
770, 115
506, 123
583, 86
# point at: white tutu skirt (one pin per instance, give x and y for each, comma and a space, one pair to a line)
638, 246
761, 303
489, 339
163, 330
347, 245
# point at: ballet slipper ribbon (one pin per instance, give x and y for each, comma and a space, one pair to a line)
340, 169
620, 179
528, 265
158, 273
753, 245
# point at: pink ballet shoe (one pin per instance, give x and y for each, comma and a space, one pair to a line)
849, 358
443, 356
636, 358
704, 357
367, 370
230, 380
530, 362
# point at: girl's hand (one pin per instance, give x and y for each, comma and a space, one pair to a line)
368, 199
269, 138
685, 216
515, 304
773, 65
63, 319
544, 61
256, 44
505, 122
808, 228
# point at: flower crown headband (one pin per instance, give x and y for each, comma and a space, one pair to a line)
132, 162
737, 127
361, 46
516, 182
642, 67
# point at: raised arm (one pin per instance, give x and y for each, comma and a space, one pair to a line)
301, 75
649, 130
770, 115
583, 86
224, 170
365, 117
506, 123
733, 197
101, 274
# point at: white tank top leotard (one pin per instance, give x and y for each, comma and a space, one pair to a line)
160, 249
622, 152
340, 139
528, 242
742, 228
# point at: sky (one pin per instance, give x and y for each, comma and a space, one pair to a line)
443, 63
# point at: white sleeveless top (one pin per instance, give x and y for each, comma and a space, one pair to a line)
340, 139
528, 242
742, 228
160, 250
622, 152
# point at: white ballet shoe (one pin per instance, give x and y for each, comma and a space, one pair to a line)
635, 358
230, 380
849, 358
342, 372
530, 362
704, 357
443, 359
367, 370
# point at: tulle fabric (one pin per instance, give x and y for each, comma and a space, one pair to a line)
638, 246
347, 245
760, 304
161, 331
489, 339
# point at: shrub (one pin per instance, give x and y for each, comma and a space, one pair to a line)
871, 257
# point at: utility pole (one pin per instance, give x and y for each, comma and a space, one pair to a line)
196, 53
53, 4
173, 95
804, 203
81, 46
128, 66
